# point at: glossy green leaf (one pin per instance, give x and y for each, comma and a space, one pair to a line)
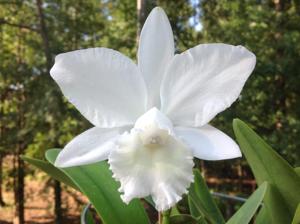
51, 170
201, 201
183, 219
284, 192
248, 209
296, 219
96, 182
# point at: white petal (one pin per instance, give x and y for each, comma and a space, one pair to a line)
103, 84
154, 117
204, 81
209, 143
90, 146
156, 49
164, 171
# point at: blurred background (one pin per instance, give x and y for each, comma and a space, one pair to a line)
34, 116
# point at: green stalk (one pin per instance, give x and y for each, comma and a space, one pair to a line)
166, 217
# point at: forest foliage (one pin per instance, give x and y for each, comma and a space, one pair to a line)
34, 116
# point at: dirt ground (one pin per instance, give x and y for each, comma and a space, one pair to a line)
39, 205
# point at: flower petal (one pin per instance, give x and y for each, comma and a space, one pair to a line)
91, 146
154, 117
164, 172
103, 84
204, 81
209, 143
156, 49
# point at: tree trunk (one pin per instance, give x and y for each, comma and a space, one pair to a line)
2, 203
141, 14
143, 9
47, 52
280, 6
20, 165
58, 210
20, 187
44, 33
15, 187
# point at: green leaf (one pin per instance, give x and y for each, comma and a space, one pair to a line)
297, 170
201, 201
247, 211
284, 191
195, 212
51, 170
96, 182
174, 211
296, 219
276, 207
263, 216
193, 209
183, 219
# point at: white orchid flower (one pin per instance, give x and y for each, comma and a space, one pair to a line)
151, 119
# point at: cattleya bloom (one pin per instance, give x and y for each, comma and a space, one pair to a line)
152, 118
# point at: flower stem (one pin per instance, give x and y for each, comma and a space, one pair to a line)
159, 218
166, 217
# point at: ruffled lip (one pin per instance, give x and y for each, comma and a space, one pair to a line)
163, 171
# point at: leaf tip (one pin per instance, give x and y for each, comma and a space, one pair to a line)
264, 185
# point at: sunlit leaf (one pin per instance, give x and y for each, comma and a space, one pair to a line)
283, 195
296, 219
247, 211
262, 216
51, 170
96, 182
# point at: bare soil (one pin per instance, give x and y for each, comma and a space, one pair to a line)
39, 204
